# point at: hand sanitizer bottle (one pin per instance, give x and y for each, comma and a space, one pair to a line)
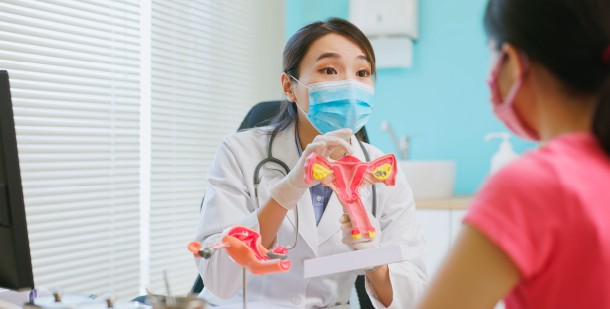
505, 153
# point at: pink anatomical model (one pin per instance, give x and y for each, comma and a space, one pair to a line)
345, 176
244, 247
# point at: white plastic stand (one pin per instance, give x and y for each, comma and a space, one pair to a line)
245, 304
354, 260
7, 305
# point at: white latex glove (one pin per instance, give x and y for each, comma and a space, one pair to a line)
290, 188
363, 242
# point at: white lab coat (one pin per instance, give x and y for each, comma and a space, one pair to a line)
230, 200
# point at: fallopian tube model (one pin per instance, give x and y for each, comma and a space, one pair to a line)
244, 247
345, 176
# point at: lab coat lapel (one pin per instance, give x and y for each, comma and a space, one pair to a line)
357, 152
329, 223
307, 221
289, 153
285, 147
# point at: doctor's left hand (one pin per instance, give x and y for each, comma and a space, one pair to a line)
363, 242
290, 188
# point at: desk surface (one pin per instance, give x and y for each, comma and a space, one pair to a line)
458, 202
251, 305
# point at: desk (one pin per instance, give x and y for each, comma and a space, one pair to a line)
12, 299
252, 305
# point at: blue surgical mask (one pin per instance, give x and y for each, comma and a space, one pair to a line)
339, 104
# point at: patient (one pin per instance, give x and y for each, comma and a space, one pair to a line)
537, 234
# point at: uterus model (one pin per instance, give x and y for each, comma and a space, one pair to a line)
244, 247
345, 176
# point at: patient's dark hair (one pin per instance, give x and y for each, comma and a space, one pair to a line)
571, 38
297, 48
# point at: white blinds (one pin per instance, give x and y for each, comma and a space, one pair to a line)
94, 96
74, 76
210, 64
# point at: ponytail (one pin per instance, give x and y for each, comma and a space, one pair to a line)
601, 118
286, 116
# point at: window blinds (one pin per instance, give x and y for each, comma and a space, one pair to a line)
208, 63
75, 84
81, 79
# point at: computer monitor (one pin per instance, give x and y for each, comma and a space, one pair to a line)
15, 260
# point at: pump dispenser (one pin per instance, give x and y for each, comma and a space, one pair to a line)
505, 153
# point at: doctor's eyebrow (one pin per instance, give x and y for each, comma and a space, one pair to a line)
337, 56
328, 55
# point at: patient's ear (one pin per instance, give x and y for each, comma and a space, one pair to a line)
287, 87
516, 61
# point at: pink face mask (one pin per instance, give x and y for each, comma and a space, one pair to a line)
504, 109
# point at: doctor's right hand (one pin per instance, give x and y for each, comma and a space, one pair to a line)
362, 242
290, 188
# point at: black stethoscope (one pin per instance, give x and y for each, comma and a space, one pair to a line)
271, 159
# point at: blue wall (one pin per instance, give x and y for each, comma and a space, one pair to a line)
442, 102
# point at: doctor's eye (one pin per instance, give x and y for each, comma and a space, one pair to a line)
363, 73
329, 71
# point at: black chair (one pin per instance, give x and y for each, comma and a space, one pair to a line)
261, 115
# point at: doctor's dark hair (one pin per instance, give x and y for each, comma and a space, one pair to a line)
571, 38
298, 46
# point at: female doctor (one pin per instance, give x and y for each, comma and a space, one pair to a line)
326, 64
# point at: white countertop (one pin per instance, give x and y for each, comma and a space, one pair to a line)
458, 202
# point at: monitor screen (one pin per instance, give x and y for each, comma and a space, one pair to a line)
15, 260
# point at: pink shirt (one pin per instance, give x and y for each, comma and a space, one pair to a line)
549, 212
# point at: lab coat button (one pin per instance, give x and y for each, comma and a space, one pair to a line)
296, 300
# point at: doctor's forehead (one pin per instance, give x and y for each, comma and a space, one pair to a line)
334, 47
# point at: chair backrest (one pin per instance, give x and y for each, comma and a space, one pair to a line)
261, 115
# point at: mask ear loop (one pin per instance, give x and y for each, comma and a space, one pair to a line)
510, 96
496, 72
298, 81
295, 97
508, 101
299, 105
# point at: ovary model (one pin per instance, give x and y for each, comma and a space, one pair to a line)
244, 247
345, 176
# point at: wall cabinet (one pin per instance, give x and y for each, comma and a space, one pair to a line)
441, 227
